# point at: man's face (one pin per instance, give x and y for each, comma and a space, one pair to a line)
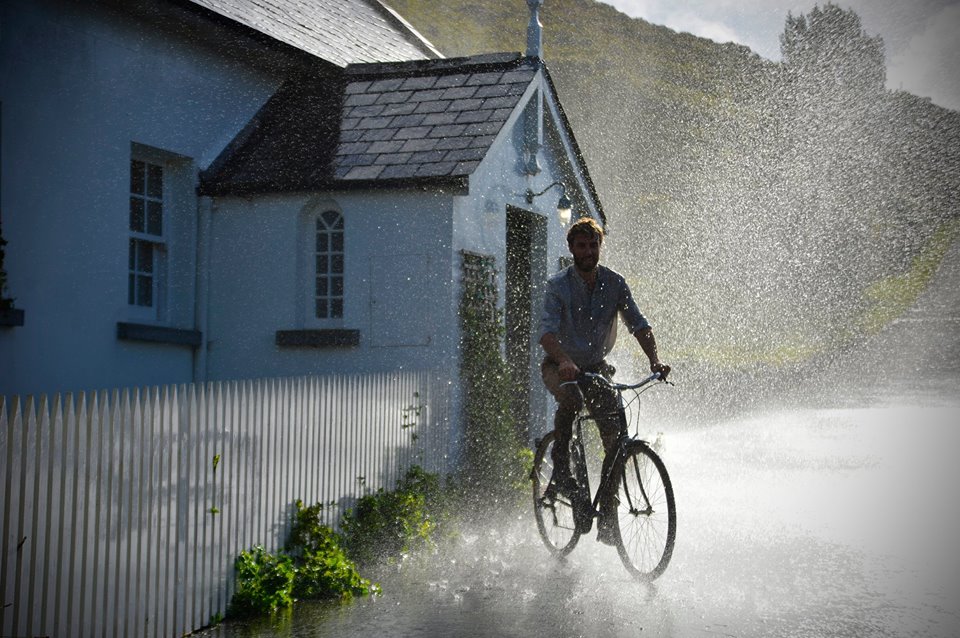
586, 252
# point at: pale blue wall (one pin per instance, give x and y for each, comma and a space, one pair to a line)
398, 286
78, 86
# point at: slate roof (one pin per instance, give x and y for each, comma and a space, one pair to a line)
340, 31
403, 123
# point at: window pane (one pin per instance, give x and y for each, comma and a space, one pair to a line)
336, 285
154, 181
336, 263
321, 286
136, 177
144, 290
155, 218
323, 243
336, 243
132, 260
322, 264
336, 308
131, 287
321, 308
136, 214
144, 257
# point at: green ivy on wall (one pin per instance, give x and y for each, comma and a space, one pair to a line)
493, 454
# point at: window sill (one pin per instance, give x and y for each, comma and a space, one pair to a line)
11, 317
331, 338
158, 334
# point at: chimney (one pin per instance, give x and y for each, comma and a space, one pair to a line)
534, 30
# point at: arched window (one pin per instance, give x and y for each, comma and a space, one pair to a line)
328, 291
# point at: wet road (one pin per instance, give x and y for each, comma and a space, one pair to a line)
835, 516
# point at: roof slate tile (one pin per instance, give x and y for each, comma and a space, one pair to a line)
364, 172
378, 134
452, 143
449, 130
390, 84
437, 169
404, 121
374, 122
412, 132
486, 79
468, 117
393, 98
433, 107
446, 81
394, 158
414, 84
400, 108
434, 119
459, 92
391, 146
426, 144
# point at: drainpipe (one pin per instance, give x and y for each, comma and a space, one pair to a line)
204, 223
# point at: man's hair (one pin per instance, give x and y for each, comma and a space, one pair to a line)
585, 226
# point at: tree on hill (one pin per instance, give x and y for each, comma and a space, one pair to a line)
829, 47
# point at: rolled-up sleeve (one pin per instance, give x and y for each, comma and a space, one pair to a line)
632, 318
552, 308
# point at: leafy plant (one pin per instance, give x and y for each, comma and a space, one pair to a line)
323, 568
264, 583
386, 524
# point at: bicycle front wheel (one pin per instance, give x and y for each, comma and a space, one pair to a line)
646, 513
554, 512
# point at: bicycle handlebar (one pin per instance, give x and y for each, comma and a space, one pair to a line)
593, 376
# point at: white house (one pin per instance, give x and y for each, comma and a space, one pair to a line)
199, 190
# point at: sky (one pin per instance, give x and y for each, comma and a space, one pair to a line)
921, 37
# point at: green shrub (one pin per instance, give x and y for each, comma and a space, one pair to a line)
323, 568
385, 524
264, 583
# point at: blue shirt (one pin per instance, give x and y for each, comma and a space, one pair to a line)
585, 321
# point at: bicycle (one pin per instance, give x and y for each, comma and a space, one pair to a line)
645, 526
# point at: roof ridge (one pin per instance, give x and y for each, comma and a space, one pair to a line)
441, 66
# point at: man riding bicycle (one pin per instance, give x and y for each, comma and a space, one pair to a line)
577, 331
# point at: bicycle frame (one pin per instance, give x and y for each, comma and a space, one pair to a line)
624, 440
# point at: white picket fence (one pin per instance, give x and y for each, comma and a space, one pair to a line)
123, 511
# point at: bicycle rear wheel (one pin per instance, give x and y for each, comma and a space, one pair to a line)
554, 513
646, 513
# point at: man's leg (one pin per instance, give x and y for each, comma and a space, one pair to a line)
604, 406
568, 405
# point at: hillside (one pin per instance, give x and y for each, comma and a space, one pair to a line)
781, 201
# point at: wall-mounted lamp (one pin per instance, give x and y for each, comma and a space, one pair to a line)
564, 205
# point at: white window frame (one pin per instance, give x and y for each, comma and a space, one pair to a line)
309, 265
145, 235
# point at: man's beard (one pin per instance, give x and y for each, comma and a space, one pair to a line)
585, 264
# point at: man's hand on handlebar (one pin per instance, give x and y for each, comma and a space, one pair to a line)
662, 368
568, 370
